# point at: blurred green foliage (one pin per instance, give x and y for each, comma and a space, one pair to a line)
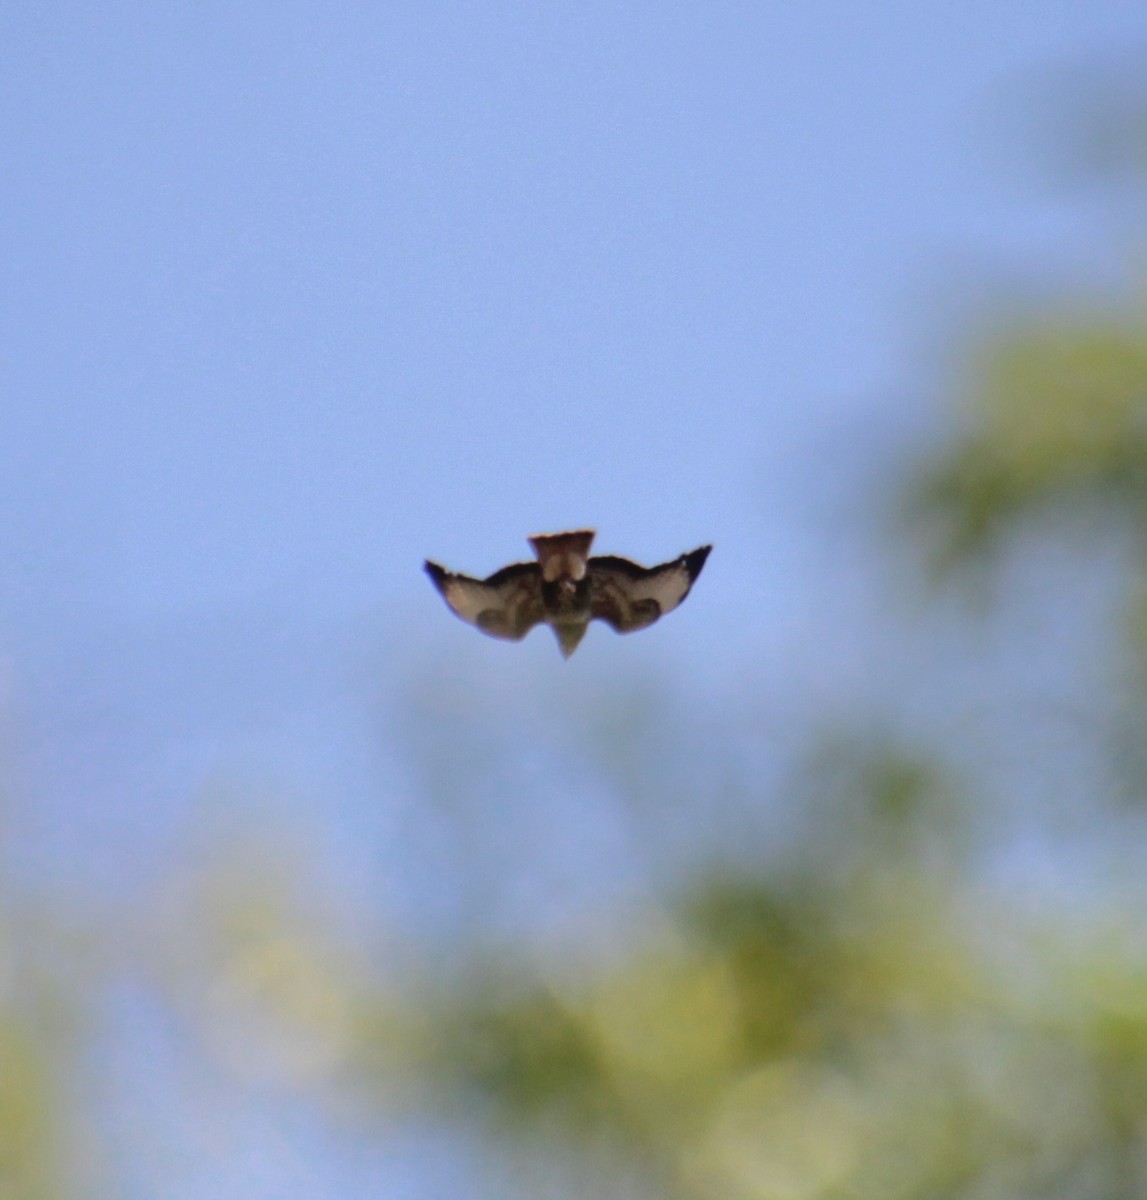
28, 1133
1058, 415
45, 989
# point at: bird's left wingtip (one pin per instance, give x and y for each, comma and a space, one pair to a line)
695, 560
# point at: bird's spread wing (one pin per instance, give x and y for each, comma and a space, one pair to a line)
507, 605
630, 597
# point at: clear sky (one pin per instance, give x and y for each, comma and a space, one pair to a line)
298, 294
295, 295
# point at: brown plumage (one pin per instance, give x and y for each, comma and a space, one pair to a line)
567, 589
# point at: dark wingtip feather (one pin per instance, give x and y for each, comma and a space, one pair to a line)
695, 560
437, 574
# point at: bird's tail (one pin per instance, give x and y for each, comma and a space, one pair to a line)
562, 555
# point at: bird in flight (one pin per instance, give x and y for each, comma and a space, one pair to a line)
567, 589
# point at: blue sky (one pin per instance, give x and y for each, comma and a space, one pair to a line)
297, 295
300, 294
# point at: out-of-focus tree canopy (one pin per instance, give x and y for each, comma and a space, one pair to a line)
1058, 417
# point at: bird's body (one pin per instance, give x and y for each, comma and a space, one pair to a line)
567, 589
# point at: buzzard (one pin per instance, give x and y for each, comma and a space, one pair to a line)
566, 589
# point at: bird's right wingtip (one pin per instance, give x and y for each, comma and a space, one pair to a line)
437, 574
